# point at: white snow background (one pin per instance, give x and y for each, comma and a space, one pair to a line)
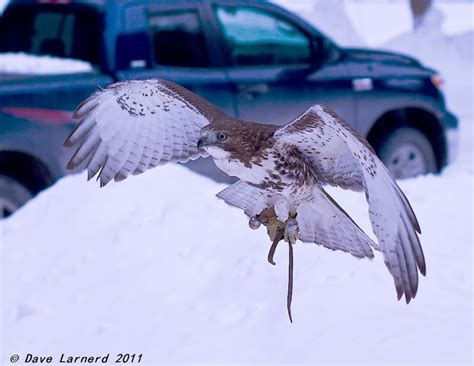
157, 265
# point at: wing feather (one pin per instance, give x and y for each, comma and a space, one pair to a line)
83, 129
147, 153
322, 221
158, 145
340, 157
98, 160
135, 125
86, 149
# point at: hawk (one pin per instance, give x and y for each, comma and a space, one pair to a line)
135, 125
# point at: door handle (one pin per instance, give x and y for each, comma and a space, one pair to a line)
362, 84
251, 91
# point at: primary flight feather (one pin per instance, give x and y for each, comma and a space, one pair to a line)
135, 125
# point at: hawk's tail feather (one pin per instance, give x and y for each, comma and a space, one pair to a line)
244, 196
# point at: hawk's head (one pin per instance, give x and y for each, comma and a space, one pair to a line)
215, 138
234, 138
223, 140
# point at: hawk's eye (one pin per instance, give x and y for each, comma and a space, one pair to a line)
222, 136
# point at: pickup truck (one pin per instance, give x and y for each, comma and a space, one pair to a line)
253, 59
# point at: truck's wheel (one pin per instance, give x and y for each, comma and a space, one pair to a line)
407, 153
12, 195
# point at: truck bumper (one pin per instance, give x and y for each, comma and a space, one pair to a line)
452, 144
452, 137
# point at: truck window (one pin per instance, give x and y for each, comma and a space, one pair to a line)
178, 39
54, 31
256, 37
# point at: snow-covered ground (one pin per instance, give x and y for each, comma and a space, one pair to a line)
156, 265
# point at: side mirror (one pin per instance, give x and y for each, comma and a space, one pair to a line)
323, 50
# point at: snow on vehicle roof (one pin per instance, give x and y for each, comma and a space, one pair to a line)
22, 63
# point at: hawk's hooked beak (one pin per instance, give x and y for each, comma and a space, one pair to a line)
201, 143
203, 140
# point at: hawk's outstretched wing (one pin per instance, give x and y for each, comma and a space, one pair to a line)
320, 219
341, 158
135, 125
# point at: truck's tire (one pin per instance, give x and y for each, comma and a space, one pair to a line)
407, 153
13, 194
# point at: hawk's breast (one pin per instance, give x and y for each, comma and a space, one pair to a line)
252, 172
274, 170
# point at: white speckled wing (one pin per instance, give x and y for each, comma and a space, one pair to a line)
340, 157
135, 125
322, 221
324, 145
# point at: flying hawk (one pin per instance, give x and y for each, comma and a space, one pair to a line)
135, 125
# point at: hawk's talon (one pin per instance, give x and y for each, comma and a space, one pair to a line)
254, 222
291, 231
274, 226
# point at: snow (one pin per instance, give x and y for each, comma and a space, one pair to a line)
3, 4
157, 265
22, 63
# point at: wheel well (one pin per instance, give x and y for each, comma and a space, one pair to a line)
28, 170
417, 118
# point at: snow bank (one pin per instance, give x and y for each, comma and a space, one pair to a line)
157, 265
22, 63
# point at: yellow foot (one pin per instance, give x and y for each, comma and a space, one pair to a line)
274, 228
291, 231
